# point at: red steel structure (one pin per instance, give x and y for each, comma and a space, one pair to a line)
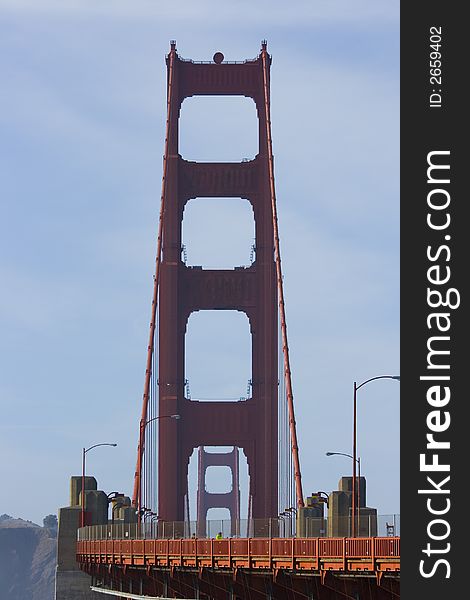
127, 560
207, 500
257, 291
254, 569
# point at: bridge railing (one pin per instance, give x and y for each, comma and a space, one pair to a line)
370, 526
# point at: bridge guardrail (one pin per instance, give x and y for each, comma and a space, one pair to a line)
341, 555
371, 526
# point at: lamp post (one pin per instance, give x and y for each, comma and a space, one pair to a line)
325, 498
358, 460
161, 417
117, 498
143, 425
84, 452
354, 495
118, 504
291, 512
282, 522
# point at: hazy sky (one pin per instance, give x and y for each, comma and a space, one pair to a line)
82, 111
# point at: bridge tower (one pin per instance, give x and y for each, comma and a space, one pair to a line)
207, 500
250, 425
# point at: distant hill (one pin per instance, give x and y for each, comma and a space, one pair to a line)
27, 560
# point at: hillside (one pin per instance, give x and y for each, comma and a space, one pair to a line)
27, 560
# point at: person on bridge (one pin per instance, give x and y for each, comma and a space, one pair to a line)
219, 536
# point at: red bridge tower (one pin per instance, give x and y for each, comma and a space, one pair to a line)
252, 424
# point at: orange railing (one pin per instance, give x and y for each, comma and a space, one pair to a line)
307, 554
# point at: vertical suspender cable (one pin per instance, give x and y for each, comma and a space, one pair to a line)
279, 457
136, 496
285, 347
154, 452
282, 426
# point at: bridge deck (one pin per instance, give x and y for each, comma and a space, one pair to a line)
345, 555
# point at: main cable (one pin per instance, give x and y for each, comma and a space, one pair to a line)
137, 493
285, 347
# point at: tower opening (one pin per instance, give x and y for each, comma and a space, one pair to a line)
218, 233
218, 356
218, 129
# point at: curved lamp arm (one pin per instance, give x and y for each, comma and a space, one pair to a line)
396, 377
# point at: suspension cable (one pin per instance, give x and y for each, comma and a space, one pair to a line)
285, 347
136, 497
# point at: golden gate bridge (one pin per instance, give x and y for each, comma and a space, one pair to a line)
279, 551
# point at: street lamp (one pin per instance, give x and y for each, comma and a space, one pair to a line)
325, 498
113, 495
150, 513
143, 425
117, 498
356, 387
119, 504
358, 460
291, 513
85, 450
161, 417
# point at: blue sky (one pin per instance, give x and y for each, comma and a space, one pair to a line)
82, 125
